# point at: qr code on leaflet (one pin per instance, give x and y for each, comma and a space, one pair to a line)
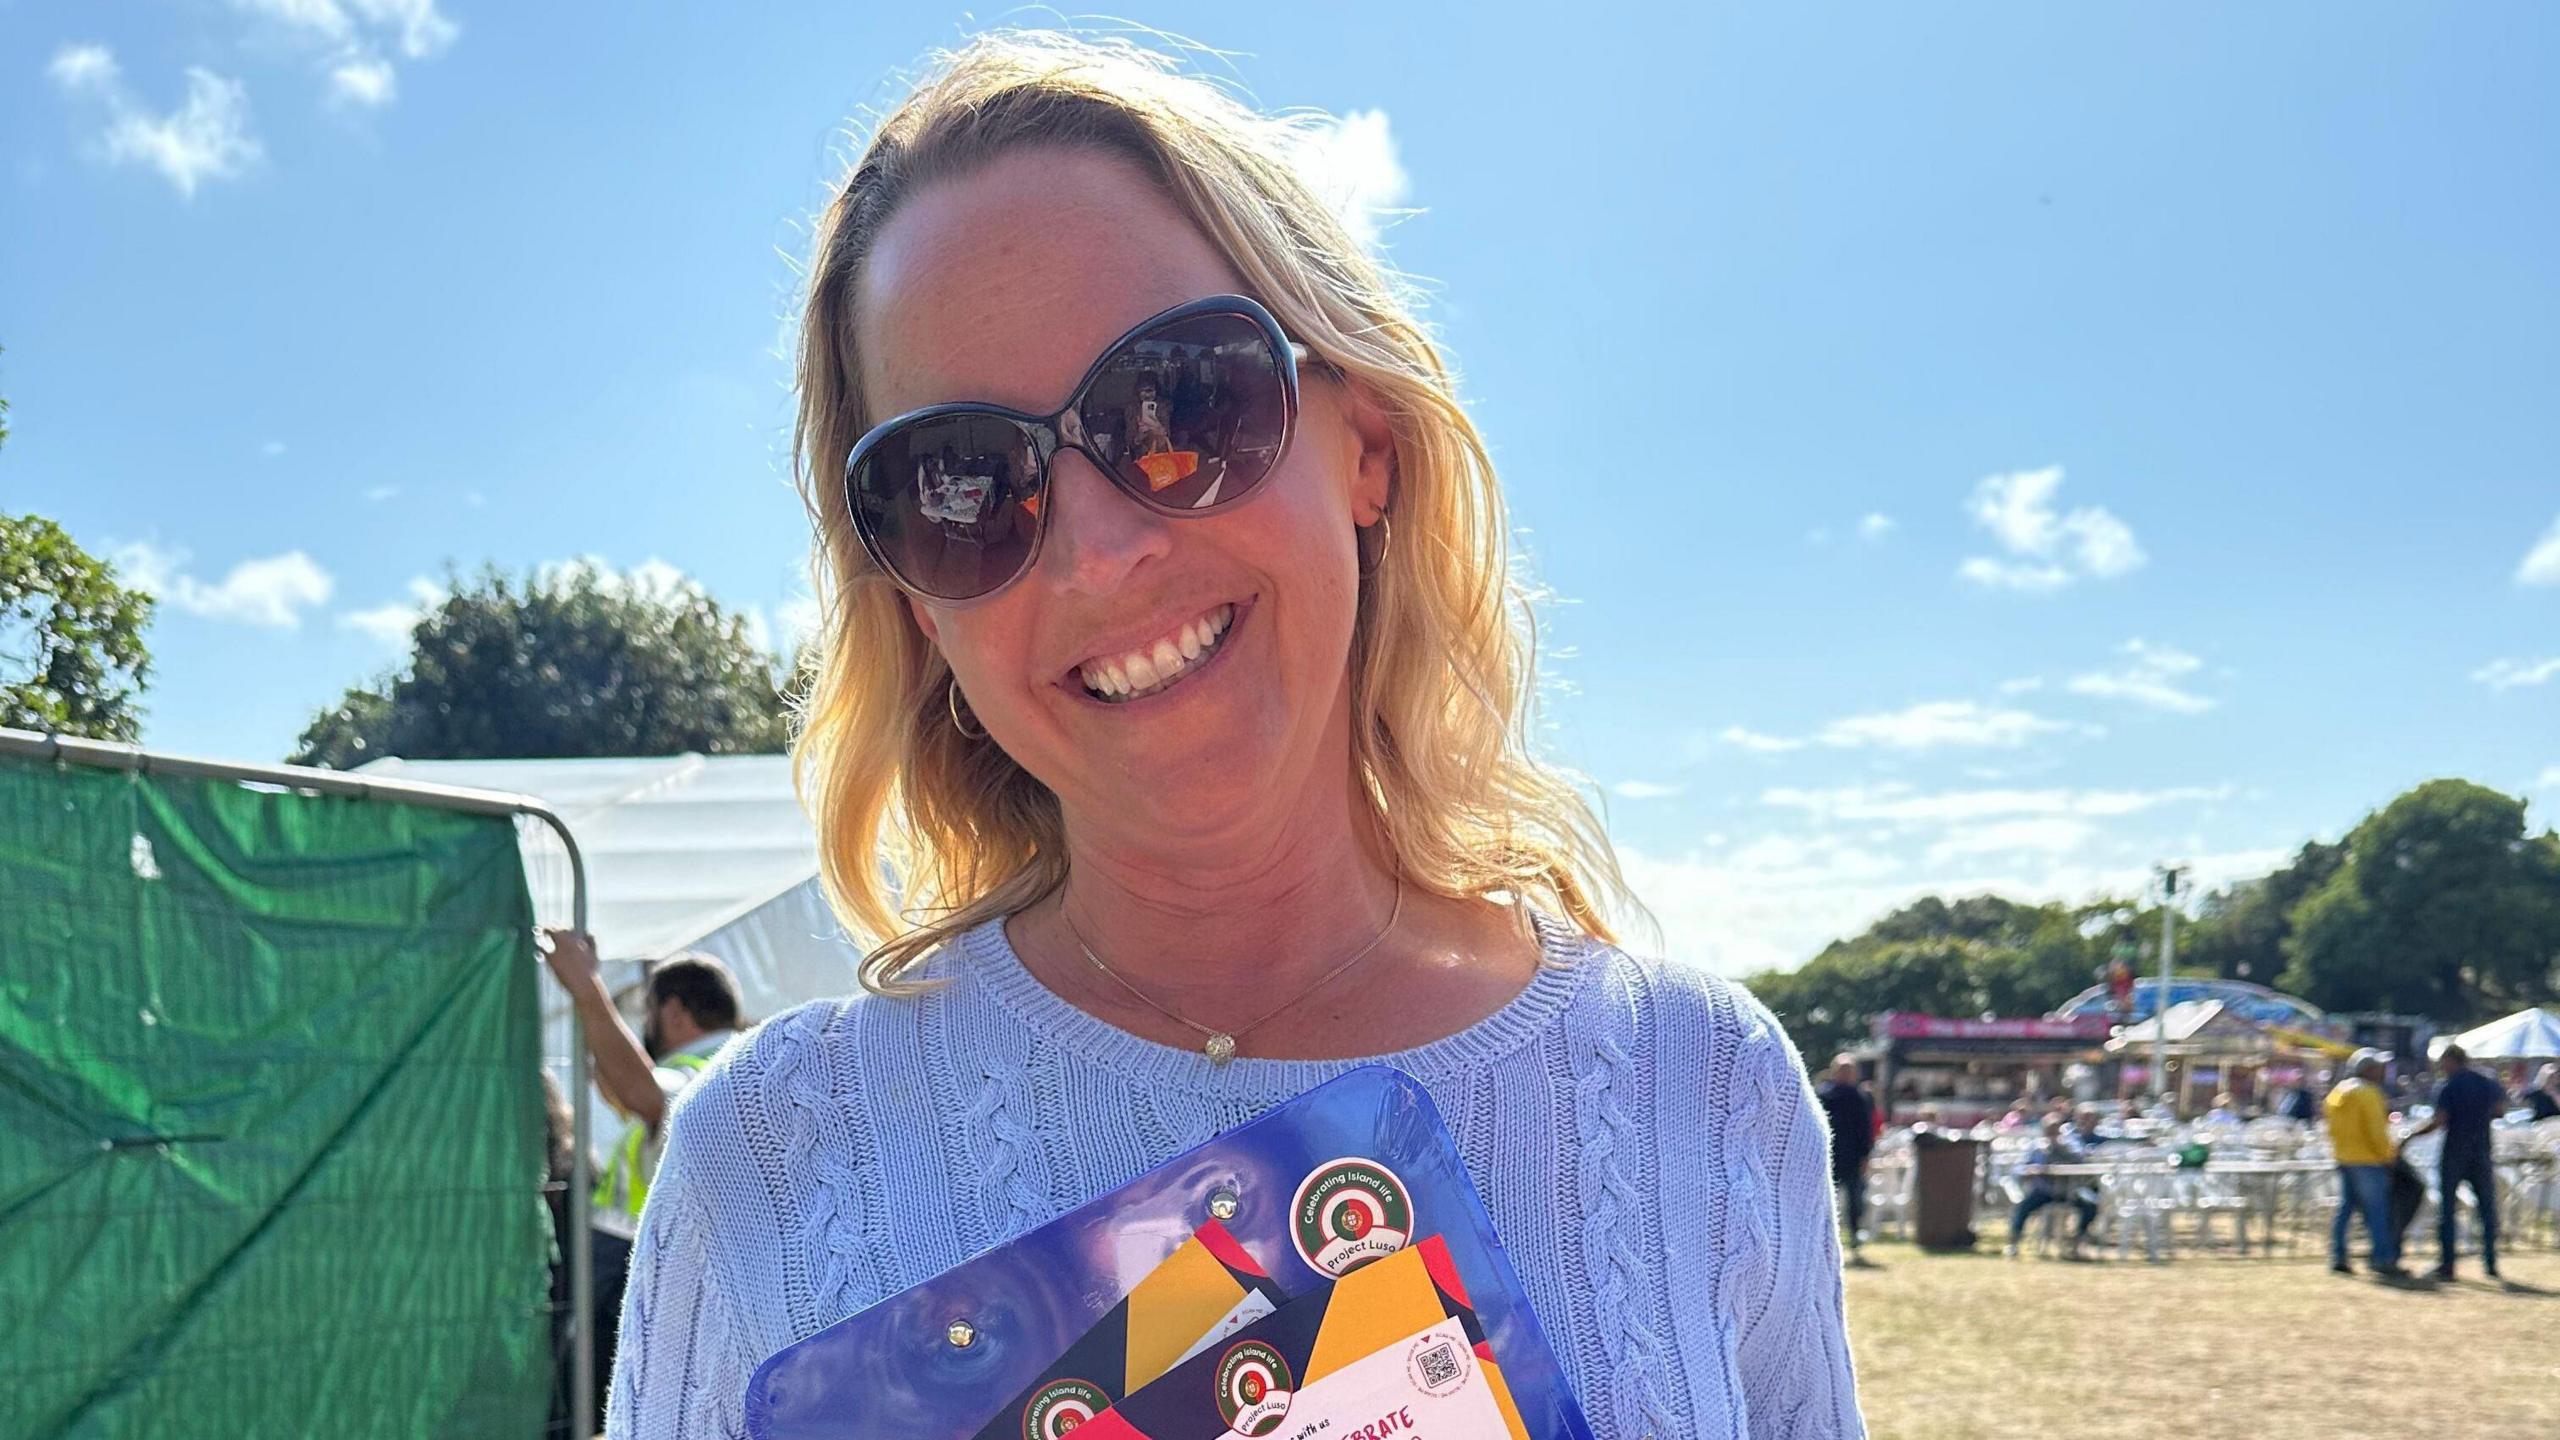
1438, 1367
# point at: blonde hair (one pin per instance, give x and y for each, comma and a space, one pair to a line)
925, 832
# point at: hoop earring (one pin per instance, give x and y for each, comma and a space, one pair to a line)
951, 697
1386, 529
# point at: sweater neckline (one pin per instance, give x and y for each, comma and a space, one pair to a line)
1563, 956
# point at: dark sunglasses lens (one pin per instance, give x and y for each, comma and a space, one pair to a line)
1191, 413
952, 503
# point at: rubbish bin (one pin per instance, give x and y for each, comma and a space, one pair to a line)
1942, 1189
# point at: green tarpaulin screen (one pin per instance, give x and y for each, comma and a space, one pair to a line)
271, 1125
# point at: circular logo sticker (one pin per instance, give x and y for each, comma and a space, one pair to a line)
1349, 1212
1253, 1388
1061, 1406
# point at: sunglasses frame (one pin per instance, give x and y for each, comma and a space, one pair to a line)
1063, 429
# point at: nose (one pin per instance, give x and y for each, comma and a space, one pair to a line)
1098, 536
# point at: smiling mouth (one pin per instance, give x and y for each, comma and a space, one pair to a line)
1160, 665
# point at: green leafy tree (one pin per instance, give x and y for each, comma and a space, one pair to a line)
574, 662
2241, 929
72, 660
2444, 906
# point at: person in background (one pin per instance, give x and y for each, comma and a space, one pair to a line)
1852, 1119
2360, 1139
692, 1012
2084, 1129
2466, 1103
559, 1143
2056, 1148
2544, 1097
2302, 1102
2225, 1111
2020, 1114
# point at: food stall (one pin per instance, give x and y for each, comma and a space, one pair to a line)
1954, 1072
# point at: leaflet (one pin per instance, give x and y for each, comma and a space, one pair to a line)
1206, 1290
1392, 1349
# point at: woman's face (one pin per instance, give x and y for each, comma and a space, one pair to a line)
1004, 285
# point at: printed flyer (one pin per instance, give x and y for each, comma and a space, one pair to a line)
1392, 1349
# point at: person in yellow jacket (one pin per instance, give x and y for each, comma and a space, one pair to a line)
2360, 1138
693, 1011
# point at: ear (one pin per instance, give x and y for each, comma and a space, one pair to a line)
923, 615
1373, 481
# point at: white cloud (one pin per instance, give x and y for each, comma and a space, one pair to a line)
379, 493
272, 449
424, 32
2024, 685
1900, 803
1645, 790
206, 138
349, 40
364, 80
1350, 162
2051, 835
2147, 678
1772, 903
1875, 525
391, 624
2542, 563
272, 591
2046, 549
83, 67
2508, 674
1936, 723
2548, 779
1757, 743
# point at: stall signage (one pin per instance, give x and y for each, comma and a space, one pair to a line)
1901, 1025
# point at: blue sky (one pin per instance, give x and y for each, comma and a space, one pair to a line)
1983, 448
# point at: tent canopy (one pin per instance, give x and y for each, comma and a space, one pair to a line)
683, 852
2525, 1035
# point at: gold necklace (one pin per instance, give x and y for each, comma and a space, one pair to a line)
1220, 1045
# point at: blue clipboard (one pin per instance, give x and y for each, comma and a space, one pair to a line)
1334, 1179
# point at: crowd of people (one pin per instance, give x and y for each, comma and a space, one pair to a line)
2377, 1186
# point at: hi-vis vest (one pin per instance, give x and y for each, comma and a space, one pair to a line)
624, 1187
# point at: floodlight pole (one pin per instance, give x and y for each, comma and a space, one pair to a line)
103, 755
2160, 1011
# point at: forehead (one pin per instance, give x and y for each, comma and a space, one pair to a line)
1005, 283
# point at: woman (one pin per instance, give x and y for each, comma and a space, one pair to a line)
1206, 778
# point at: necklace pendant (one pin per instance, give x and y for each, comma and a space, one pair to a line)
1220, 1048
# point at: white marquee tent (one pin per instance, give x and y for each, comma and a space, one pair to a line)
2525, 1035
683, 852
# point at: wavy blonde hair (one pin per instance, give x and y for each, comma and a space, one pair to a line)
924, 832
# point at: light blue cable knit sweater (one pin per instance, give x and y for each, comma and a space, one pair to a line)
1642, 1135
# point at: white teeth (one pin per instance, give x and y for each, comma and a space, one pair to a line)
1153, 667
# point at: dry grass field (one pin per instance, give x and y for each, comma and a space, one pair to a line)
1955, 1346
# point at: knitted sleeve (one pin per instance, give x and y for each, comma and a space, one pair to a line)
1793, 1350
681, 1367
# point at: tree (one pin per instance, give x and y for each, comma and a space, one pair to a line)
2240, 930
571, 662
72, 659
2444, 906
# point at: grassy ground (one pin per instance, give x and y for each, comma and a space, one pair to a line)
1955, 1346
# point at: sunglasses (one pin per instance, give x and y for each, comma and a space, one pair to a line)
1187, 414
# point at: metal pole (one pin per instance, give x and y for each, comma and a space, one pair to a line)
2160, 1009
104, 755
